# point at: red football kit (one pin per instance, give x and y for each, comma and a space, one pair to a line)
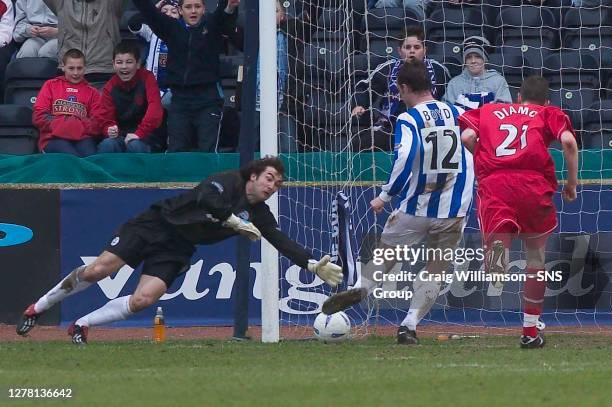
515, 172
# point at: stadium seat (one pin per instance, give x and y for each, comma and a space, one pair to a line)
584, 32
571, 70
597, 130
535, 59
447, 53
385, 27
24, 77
361, 64
17, 134
526, 27
332, 20
455, 24
573, 102
392, 20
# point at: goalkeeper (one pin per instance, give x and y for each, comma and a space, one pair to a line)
164, 237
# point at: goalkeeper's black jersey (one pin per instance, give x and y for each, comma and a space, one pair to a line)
198, 214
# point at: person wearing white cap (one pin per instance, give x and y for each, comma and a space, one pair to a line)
476, 85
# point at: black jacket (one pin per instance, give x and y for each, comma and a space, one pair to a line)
198, 215
193, 52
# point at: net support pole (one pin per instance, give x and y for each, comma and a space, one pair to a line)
242, 284
269, 146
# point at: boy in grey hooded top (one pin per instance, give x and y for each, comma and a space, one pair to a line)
476, 86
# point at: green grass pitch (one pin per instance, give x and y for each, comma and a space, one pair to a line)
488, 371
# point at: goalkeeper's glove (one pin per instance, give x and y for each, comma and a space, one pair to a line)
329, 272
243, 227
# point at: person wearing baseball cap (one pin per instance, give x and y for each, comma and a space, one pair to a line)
476, 85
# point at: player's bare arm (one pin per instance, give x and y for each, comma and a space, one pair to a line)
469, 139
570, 153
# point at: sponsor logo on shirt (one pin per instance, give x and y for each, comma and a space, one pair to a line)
69, 107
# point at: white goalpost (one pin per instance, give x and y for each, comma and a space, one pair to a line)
269, 146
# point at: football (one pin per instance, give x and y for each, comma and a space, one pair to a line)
332, 328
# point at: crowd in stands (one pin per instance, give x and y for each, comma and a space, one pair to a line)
151, 79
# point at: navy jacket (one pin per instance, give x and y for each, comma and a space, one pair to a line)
193, 52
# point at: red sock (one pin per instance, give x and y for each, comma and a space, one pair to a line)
533, 297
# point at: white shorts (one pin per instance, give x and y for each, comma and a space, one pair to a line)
409, 230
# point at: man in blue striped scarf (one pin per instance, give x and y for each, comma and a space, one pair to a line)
383, 80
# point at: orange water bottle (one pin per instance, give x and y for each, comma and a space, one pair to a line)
159, 329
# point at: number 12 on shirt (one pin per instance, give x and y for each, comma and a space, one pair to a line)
442, 150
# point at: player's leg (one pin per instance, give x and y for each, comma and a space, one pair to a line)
155, 280
498, 223
497, 251
444, 234
533, 292
78, 280
400, 230
537, 217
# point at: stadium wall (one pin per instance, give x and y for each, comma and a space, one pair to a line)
71, 226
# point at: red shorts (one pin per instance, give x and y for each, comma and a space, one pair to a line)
520, 201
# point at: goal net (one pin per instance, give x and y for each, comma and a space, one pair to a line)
331, 55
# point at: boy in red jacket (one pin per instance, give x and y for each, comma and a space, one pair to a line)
64, 110
130, 108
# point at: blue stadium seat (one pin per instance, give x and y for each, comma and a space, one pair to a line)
17, 134
597, 130
24, 77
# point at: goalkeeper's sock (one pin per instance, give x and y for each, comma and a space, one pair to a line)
114, 310
533, 298
424, 296
72, 284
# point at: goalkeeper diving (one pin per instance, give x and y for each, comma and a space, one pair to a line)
164, 238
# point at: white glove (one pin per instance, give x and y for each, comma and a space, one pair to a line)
329, 272
243, 227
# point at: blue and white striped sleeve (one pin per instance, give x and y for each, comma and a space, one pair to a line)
406, 137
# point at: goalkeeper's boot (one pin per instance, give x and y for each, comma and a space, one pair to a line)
27, 321
497, 262
406, 336
530, 342
345, 299
78, 334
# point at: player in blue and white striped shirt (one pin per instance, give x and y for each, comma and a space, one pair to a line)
433, 174
433, 177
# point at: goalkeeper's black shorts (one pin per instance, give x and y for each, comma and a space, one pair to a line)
150, 240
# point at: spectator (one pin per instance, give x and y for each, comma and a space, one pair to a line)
298, 31
7, 46
64, 110
130, 107
194, 45
158, 49
92, 25
383, 80
418, 6
477, 86
35, 29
